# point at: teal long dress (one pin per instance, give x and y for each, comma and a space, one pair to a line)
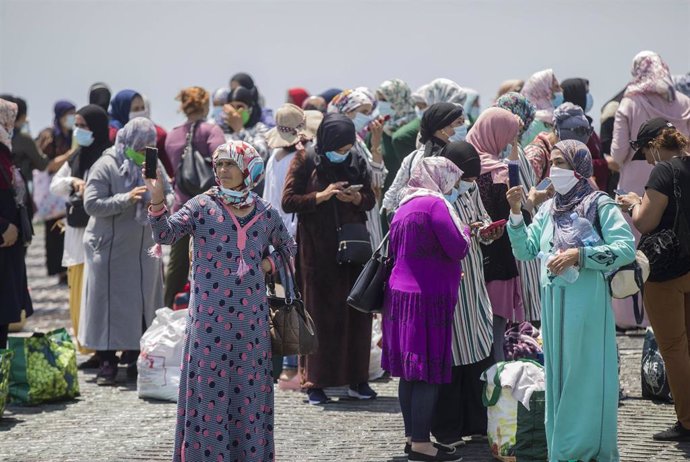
579, 333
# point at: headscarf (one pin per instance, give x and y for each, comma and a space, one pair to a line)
61, 108
444, 91
249, 162
329, 94
8, 114
570, 119
538, 90
398, 93
472, 96
435, 176
298, 95
120, 108
465, 156
336, 131
682, 83
99, 94
518, 105
349, 100
650, 75
245, 80
575, 91
136, 134
436, 117
492, 132
581, 199
97, 120
419, 95
221, 95
246, 96
510, 86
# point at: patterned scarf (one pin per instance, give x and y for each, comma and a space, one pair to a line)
398, 93
8, 114
538, 90
651, 75
349, 100
444, 91
249, 162
518, 105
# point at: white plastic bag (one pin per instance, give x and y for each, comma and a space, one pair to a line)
161, 356
375, 369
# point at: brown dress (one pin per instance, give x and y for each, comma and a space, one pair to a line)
344, 334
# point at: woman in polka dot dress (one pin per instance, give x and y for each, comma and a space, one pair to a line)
225, 405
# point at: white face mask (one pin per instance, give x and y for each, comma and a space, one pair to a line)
134, 115
563, 180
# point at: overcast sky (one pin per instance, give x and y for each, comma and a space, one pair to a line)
53, 49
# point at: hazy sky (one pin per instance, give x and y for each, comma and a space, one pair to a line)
53, 49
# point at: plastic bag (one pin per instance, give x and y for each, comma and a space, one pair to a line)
653, 371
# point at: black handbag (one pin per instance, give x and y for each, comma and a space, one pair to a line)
76, 215
293, 331
195, 172
26, 228
367, 292
354, 244
664, 250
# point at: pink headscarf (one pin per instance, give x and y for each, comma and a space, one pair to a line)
538, 91
650, 75
491, 133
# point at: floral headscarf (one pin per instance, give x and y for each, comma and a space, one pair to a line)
538, 90
435, 176
444, 91
651, 75
349, 100
398, 93
491, 133
518, 105
249, 162
135, 135
8, 114
581, 199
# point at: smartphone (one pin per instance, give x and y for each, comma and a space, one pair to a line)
151, 162
382, 119
544, 184
353, 188
514, 173
495, 225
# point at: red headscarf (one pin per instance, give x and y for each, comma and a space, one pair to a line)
298, 95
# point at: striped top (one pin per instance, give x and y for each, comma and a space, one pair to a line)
473, 322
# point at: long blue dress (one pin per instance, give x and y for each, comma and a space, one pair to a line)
225, 405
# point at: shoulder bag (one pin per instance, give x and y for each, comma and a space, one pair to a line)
354, 244
368, 291
195, 172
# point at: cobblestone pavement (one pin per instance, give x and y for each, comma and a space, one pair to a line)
112, 424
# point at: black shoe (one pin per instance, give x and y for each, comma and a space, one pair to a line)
107, 375
317, 396
676, 433
361, 391
439, 457
92, 363
441, 447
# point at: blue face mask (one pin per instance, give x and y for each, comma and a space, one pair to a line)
453, 196
84, 137
336, 158
465, 186
589, 103
419, 112
384, 108
69, 121
460, 133
361, 121
557, 99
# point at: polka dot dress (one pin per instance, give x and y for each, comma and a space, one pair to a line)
225, 405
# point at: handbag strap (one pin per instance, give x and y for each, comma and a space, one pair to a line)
637, 307
189, 143
677, 195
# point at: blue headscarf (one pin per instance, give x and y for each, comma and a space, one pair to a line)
61, 108
120, 107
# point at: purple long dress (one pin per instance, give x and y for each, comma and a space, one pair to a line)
225, 404
422, 291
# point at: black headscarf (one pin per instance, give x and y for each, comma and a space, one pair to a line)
437, 116
246, 96
465, 156
99, 94
575, 91
336, 131
97, 120
245, 80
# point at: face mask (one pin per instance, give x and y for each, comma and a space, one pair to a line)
589, 103
474, 113
231, 193
453, 196
563, 180
557, 99
217, 110
465, 186
336, 158
506, 152
361, 121
459, 134
84, 137
69, 121
136, 157
25, 129
384, 108
419, 112
244, 113
134, 115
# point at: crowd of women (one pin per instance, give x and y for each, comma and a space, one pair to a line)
426, 173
